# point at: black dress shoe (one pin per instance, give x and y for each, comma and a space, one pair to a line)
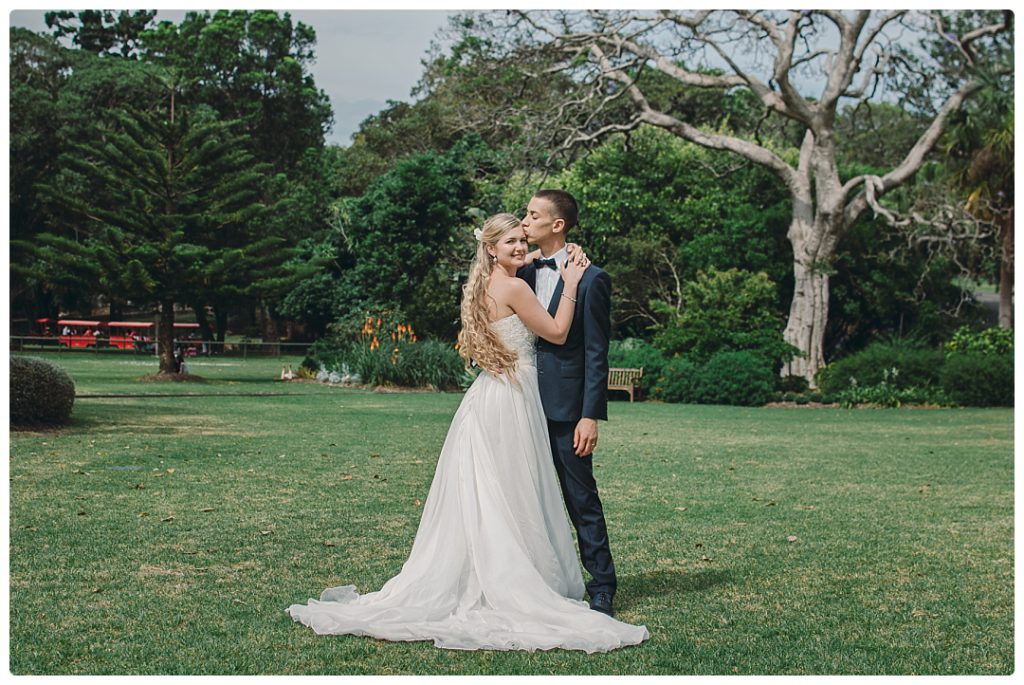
602, 602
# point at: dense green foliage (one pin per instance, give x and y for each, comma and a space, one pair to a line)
695, 240
978, 379
736, 377
246, 70
739, 377
655, 211
992, 340
888, 394
975, 368
402, 245
902, 365
250, 66
726, 311
171, 211
42, 393
678, 381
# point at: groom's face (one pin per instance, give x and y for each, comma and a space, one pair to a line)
540, 221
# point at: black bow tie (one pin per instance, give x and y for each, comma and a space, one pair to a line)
550, 263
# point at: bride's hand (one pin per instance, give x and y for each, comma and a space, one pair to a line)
574, 267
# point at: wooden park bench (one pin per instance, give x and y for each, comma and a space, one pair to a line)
624, 379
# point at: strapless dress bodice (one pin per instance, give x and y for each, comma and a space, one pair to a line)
517, 338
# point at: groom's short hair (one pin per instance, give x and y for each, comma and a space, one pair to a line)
564, 204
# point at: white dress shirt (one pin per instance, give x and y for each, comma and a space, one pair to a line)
547, 278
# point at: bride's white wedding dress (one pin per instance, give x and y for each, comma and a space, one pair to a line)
493, 565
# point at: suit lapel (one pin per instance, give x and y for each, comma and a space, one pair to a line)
529, 274
555, 297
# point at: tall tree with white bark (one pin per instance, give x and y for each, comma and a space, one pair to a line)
802, 66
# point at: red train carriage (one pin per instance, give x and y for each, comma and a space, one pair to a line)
124, 335
78, 332
131, 335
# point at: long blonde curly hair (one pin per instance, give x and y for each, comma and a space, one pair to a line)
477, 340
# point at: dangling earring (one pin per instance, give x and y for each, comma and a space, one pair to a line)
494, 259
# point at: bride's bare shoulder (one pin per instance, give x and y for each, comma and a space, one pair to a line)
507, 286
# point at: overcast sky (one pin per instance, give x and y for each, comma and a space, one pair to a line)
363, 57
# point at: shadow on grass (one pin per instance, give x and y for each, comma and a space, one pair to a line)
668, 583
101, 415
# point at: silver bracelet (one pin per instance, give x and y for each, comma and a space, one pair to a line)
568, 298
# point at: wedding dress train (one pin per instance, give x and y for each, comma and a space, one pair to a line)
493, 564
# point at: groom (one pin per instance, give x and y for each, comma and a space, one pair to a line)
573, 381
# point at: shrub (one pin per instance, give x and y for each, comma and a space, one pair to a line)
377, 348
742, 378
899, 365
677, 382
885, 394
979, 380
791, 384
726, 310
634, 353
401, 363
993, 340
42, 393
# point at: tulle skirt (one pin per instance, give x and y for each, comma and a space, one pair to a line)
493, 564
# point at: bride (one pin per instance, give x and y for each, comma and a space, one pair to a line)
493, 564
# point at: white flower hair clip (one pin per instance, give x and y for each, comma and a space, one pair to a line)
478, 234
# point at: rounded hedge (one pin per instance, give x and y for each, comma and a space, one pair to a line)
42, 393
677, 382
736, 377
900, 366
978, 379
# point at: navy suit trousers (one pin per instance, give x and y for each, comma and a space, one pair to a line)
579, 489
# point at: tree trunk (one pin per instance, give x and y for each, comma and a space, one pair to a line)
1006, 275
270, 332
165, 337
814, 233
808, 315
220, 317
206, 332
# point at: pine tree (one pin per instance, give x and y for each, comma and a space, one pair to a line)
176, 216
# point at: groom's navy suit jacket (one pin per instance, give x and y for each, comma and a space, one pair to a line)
573, 377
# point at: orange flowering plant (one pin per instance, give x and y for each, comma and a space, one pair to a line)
385, 325
382, 348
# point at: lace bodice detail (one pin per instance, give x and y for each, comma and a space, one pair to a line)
517, 338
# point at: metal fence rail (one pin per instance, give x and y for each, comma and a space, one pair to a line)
194, 348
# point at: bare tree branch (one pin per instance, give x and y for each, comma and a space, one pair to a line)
912, 161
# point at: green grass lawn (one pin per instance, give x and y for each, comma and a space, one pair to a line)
166, 535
